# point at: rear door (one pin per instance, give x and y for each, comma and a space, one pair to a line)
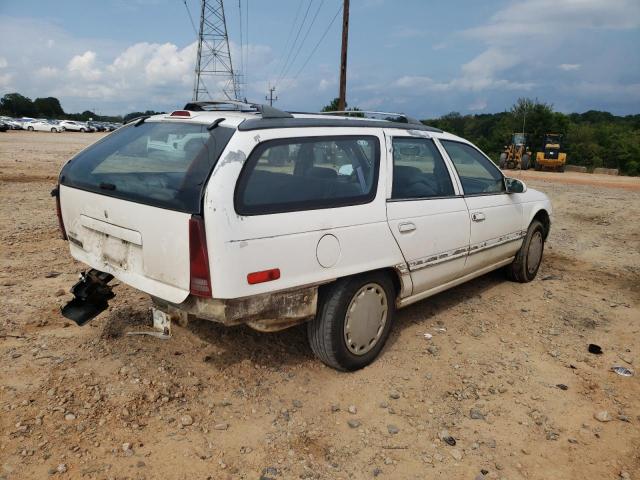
426, 213
496, 216
126, 202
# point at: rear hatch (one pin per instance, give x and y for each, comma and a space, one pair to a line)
126, 202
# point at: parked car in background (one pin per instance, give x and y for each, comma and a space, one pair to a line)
97, 126
271, 219
4, 127
74, 126
43, 126
12, 123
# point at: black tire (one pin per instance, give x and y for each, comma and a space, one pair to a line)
561, 168
521, 270
538, 167
30, 129
82, 130
326, 332
524, 162
53, 130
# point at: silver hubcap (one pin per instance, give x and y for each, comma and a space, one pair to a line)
366, 318
535, 252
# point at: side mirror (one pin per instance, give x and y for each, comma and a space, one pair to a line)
513, 185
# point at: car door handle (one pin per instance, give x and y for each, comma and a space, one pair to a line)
406, 227
478, 217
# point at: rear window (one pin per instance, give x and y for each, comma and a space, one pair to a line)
162, 164
308, 173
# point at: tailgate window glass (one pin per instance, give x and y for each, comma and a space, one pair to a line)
162, 164
308, 173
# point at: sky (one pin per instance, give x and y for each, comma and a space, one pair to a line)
424, 58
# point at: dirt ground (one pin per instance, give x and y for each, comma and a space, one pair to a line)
507, 373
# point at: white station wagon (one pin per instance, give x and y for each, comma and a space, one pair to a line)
244, 214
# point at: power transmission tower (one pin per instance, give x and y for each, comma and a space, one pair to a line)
270, 97
342, 99
214, 59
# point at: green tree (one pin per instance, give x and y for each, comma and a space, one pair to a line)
17, 105
48, 107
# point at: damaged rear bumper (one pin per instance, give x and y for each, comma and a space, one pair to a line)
269, 312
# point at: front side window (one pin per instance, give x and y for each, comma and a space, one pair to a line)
308, 173
477, 173
419, 170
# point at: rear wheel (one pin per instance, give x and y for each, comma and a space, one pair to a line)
53, 130
527, 262
524, 162
353, 321
82, 130
30, 129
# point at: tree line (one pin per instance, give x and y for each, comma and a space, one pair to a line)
592, 139
18, 106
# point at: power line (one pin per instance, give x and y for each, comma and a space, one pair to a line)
313, 51
293, 27
195, 30
246, 41
313, 20
241, 38
295, 41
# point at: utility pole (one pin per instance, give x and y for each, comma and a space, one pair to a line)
270, 97
342, 100
213, 58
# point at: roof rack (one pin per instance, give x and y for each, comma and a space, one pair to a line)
388, 116
266, 111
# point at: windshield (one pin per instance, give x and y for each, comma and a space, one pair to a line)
163, 164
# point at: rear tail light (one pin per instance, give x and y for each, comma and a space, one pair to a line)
56, 193
200, 282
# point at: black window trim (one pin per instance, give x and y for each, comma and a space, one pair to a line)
414, 199
481, 194
274, 209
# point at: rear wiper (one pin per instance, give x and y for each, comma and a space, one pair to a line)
107, 186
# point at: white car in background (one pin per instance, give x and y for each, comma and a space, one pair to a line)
42, 126
73, 126
12, 123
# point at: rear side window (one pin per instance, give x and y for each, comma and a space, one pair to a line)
308, 173
163, 164
477, 173
419, 170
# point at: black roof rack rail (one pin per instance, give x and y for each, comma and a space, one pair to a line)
388, 116
258, 123
266, 111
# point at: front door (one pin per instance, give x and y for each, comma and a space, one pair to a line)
496, 216
427, 215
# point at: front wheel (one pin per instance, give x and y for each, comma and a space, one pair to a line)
353, 321
82, 130
30, 129
528, 259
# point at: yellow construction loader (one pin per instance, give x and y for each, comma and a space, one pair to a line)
516, 154
552, 157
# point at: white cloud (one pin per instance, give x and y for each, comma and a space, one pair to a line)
84, 65
478, 105
567, 67
47, 72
